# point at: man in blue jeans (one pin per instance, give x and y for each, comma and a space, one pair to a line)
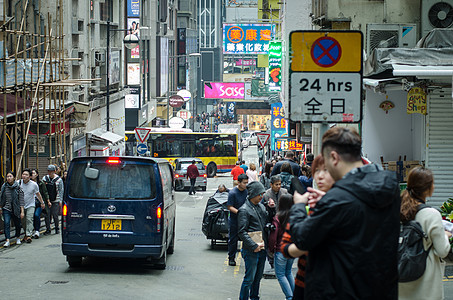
236, 198
252, 218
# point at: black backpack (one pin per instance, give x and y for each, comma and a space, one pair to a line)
51, 186
411, 252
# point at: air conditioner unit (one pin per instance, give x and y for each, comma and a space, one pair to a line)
97, 58
163, 29
436, 14
77, 53
77, 25
76, 95
390, 36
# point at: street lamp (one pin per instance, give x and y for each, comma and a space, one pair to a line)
130, 41
170, 58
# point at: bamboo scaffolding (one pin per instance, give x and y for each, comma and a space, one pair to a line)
39, 89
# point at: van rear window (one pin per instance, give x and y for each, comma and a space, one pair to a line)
127, 181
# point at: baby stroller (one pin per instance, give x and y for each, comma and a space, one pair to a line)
215, 218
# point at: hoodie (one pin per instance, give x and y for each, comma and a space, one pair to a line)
352, 237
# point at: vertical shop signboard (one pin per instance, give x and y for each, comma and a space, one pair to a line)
133, 8
278, 123
275, 66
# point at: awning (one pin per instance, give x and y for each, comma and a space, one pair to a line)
373, 83
422, 71
383, 84
100, 136
11, 105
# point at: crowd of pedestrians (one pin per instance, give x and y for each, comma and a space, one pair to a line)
27, 199
216, 117
340, 218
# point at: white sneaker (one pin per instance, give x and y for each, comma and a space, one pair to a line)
36, 235
18, 242
6, 244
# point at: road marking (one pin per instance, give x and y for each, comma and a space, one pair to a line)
236, 268
238, 265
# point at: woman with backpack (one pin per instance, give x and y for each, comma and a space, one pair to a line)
420, 185
282, 264
286, 173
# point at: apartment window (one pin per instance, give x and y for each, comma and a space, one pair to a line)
106, 10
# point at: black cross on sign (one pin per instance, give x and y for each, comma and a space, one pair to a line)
313, 107
336, 106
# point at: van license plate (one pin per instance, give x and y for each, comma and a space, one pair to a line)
111, 224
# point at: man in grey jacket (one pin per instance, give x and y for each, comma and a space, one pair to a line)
252, 217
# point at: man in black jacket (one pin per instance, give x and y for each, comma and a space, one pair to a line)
289, 157
352, 234
252, 217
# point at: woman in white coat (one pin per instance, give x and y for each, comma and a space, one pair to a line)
420, 184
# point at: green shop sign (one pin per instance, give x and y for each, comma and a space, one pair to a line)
275, 66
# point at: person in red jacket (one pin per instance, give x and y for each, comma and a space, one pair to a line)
192, 174
235, 172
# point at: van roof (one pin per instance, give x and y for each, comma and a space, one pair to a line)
151, 159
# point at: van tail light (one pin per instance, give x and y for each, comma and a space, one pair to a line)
159, 218
176, 175
205, 175
64, 214
113, 160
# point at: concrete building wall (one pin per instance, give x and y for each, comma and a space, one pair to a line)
241, 15
394, 134
362, 12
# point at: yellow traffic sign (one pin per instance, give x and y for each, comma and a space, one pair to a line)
326, 51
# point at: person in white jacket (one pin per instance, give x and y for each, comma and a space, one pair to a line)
420, 185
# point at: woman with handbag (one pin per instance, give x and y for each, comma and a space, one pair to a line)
12, 206
420, 185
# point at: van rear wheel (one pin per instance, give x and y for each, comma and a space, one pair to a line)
171, 248
74, 261
211, 170
162, 262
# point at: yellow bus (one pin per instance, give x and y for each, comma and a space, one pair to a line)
218, 151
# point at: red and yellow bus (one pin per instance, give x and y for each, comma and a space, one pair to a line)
218, 151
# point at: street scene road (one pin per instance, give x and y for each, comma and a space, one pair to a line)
40, 271
194, 271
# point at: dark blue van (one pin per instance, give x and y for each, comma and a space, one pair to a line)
119, 207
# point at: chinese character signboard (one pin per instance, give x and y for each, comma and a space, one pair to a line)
275, 65
135, 53
288, 145
224, 90
326, 76
416, 101
278, 123
247, 38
